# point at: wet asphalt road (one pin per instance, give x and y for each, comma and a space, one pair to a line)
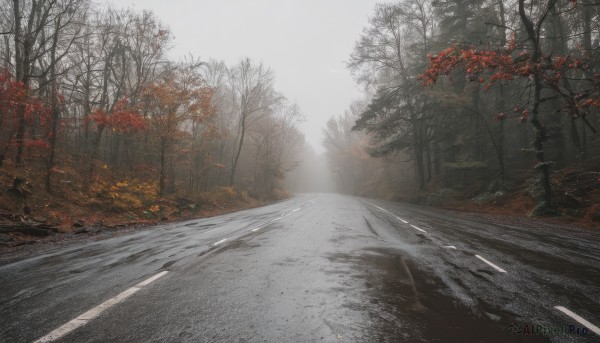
314, 268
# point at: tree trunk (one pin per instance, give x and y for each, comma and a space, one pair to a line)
53, 133
540, 130
239, 150
162, 176
95, 152
500, 144
437, 158
54, 107
23, 46
428, 160
420, 166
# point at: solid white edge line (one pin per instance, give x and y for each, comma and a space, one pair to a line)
220, 242
402, 220
96, 311
418, 228
491, 264
579, 319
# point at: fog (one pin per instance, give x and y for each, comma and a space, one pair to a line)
312, 175
407, 100
306, 43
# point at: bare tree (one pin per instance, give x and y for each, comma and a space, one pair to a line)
252, 87
36, 28
67, 30
383, 61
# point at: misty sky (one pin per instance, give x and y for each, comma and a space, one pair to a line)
305, 42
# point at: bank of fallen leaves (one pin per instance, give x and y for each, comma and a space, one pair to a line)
112, 207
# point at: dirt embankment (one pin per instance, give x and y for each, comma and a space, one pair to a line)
576, 196
31, 217
49, 229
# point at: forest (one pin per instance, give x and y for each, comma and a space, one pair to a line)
94, 112
475, 104
469, 104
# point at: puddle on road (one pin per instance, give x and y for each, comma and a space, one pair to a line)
403, 303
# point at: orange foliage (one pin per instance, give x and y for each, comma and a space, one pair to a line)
127, 194
181, 96
492, 66
124, 118
15, 97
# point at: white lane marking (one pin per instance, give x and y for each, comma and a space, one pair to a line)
272, 221
220, 242
578, 318
151, 279
418, 228
386, 211
254, 229
450, 247
283, 216
491, 264
96, 311
378, 207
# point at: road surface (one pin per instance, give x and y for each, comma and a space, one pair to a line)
314, 268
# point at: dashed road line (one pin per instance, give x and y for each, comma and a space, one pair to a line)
96, 311
386, 211
254, 229
579, 319
491, 264
446, 246
418, 228
566, 311
402, 220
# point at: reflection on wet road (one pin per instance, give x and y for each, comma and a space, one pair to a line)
317, 267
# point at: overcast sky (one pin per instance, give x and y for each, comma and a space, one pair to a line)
305, 42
